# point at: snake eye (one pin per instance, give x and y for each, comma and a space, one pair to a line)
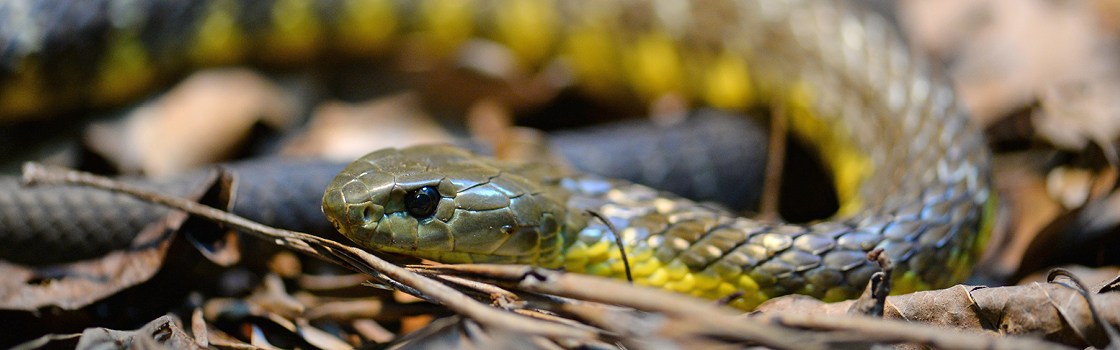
422, 203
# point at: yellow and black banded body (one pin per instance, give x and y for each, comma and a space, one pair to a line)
912, 173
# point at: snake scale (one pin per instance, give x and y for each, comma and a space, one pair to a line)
912, 173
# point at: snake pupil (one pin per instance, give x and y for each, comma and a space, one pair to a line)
421, 203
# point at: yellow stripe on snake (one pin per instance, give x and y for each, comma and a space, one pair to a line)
912, 173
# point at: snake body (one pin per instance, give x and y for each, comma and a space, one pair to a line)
912, 173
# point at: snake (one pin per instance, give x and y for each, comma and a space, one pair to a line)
911, 171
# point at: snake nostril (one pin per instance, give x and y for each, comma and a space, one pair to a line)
369, 214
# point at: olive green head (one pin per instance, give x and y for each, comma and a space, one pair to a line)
445, 204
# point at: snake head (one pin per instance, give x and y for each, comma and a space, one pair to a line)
445, 204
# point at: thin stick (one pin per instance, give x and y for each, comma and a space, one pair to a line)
775, 163
718, 320
880, 330
617, 242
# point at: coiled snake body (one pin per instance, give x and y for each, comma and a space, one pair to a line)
912, 173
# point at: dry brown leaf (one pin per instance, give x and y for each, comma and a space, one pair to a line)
464, 334
75, 285
272, 296
369, 329
941, 27
1069, 186
1052, 311
1029, 209
344, 132
198, 122
120, 286
1007, 52
1077, 113
1085, 273
162, 333
1044, 231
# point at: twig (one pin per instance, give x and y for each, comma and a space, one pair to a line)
874, 299
558, 319
718, 321
889, 331
1109, 330
617, 242
775, 163
495, 292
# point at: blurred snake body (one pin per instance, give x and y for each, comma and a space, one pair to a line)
911, 171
